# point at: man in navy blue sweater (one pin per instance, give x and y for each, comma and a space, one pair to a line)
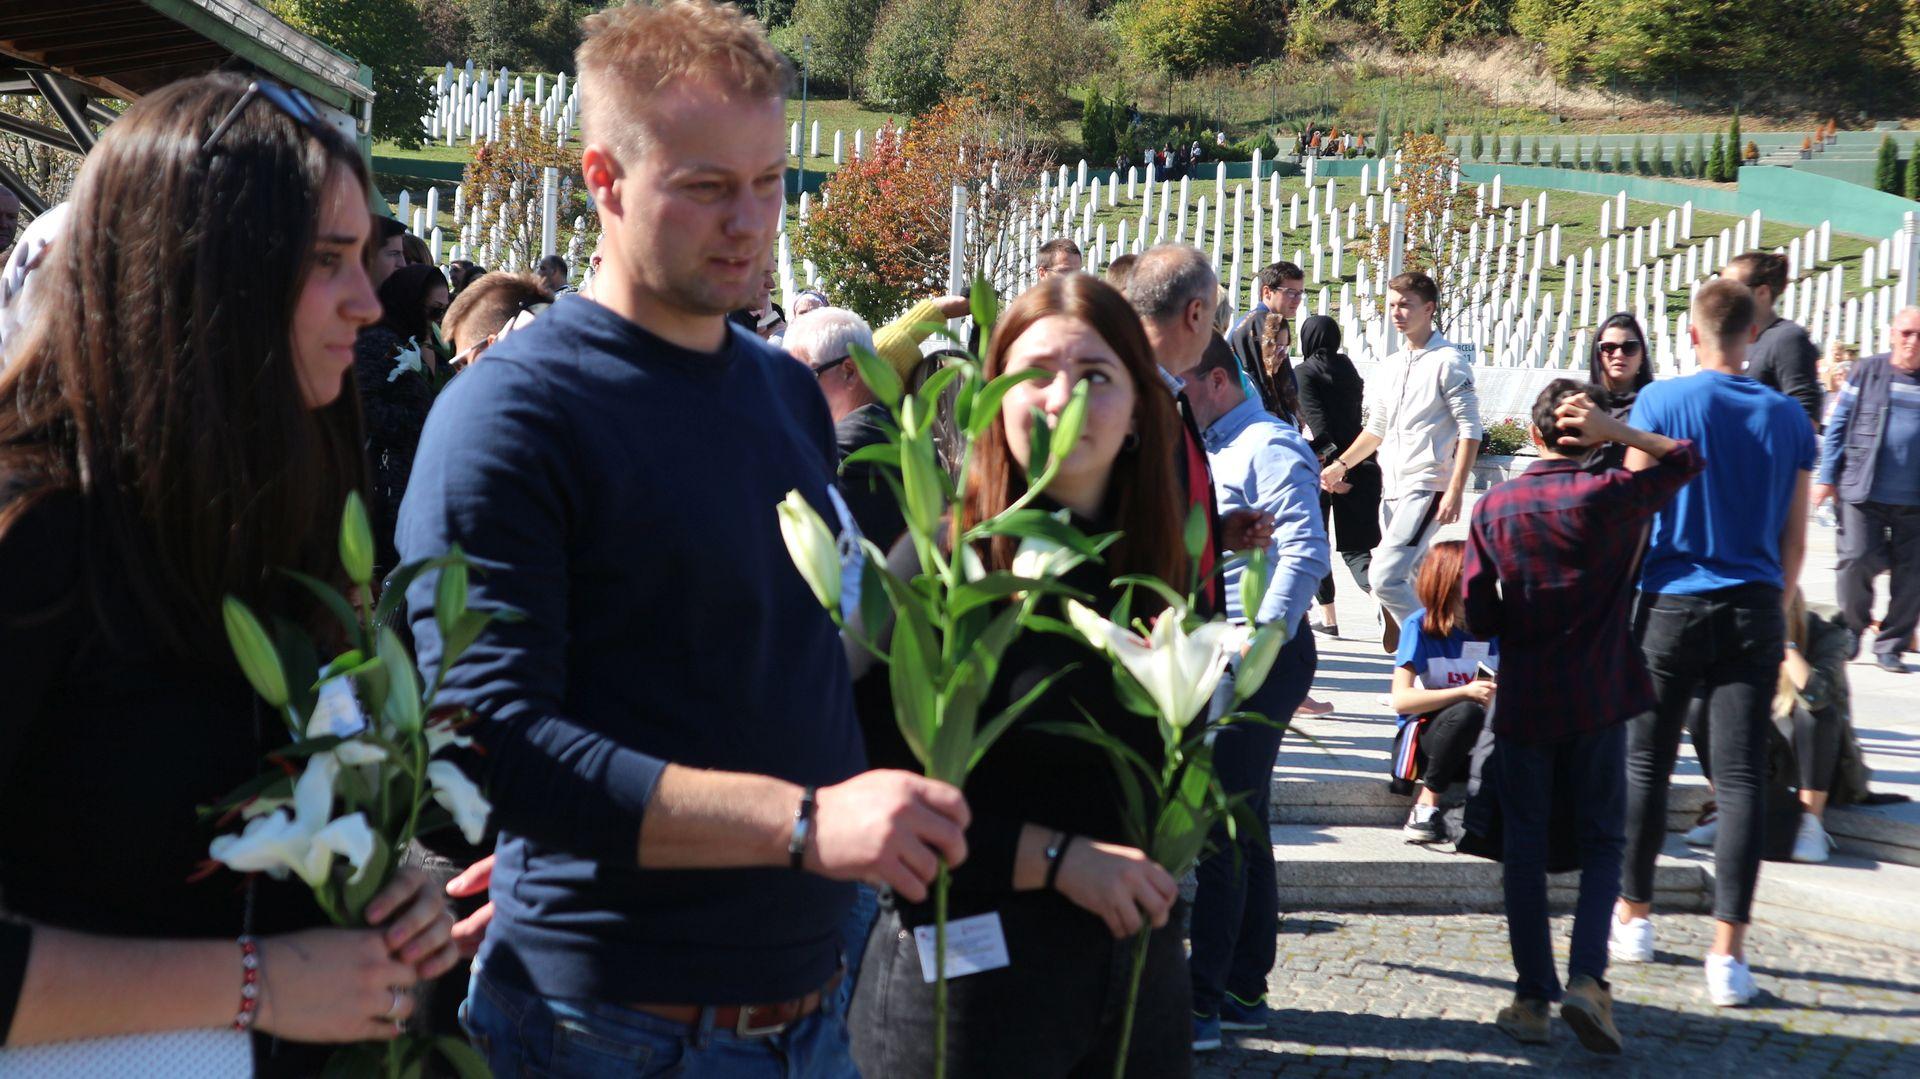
668, 734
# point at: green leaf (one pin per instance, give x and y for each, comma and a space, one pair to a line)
985, 305
349, 662
936, 384
335, 603
402, 706
300, 662
1039, 447
259, 661
875, 610
1001, 584
356, 541
1154, 584
377, 870
997, 726
1253, 584
882, 454
879, 376
920, 476
394, 591
460, 637
952, 751
986, 408
1196, 534
911, 660
1066, 432
466, 1060
1032, 523
450, 597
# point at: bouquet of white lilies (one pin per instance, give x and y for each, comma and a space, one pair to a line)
339, 805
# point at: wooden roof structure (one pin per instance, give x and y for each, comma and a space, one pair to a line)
74, 53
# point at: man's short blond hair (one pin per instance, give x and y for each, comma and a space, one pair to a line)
631, 52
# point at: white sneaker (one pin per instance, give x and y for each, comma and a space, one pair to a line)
1729, 982
1702, 835
1631, 942
1813, 843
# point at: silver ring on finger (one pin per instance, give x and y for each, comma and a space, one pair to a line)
393, 1012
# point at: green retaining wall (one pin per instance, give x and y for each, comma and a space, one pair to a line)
1638, 188
1802, 197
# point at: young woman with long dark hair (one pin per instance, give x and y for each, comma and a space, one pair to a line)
178, 426
1055, 1010
1622, 365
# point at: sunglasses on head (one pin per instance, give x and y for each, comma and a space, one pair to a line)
289, 101
1625, 348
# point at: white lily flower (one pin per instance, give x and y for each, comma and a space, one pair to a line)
336, 711
454, 791
304, 841
1178, 670
1035, 557
407, 359
439, 736
811, 546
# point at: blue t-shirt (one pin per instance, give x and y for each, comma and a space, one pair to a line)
1443, 662
1723, 529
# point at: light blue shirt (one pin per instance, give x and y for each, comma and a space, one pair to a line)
1261, 462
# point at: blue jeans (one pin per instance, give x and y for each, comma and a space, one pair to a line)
1236, 910
853, 940
1593, 767
524, 1034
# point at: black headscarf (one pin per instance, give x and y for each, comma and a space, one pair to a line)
1319, 333
403, 301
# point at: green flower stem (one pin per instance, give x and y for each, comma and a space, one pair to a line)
1133, 999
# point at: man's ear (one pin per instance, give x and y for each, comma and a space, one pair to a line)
602, 171
1534, 434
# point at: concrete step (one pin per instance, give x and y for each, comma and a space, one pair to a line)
1847, 896
1347, 800
1889, 833
1344, 867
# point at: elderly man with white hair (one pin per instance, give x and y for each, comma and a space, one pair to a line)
824, 339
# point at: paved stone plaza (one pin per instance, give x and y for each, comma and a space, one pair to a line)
1369, 993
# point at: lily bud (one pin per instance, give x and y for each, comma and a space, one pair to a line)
810, 545
259, 661
356, 541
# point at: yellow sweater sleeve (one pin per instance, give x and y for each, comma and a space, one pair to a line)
898, 342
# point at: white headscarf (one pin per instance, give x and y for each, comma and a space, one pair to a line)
28, 255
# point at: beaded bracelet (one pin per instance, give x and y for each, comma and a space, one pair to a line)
249, 984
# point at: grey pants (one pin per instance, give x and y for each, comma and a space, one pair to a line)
1407, 525
1876, 536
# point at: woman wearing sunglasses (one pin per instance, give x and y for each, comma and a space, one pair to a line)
180, 426
1621, 366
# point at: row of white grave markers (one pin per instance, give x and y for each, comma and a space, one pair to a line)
469, 105
1496, 304
488, 236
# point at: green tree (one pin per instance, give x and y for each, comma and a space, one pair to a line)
1886, 170
1184, 36
1733, 148
387, 37
1498, 149
1619, 158
1717, 164
1912, 187
906, 64
1660, 167
1096, 128
1474, 147
1380, 128
1556, 153
523, 35
836, 33
1020, 52
1639, 158
1683, 161
1702, 163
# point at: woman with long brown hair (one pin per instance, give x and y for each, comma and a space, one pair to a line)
1047, 849
177, 427
1441, 688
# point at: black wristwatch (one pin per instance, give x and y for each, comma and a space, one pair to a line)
802, 828
1056, 853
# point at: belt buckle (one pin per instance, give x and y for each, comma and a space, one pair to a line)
744, 1028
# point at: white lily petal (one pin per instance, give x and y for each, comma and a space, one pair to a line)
350, 837
354, 751
458, 794
272, 845
336, 712
440, 737
313, 792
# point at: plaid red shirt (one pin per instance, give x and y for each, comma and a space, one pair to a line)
1550, 561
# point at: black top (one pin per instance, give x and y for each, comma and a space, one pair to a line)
864, 486
1030, 775
1784, 358
620, 491
107, 750
394, 402
1331, 395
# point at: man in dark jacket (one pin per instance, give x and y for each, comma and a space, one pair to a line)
824, 340
1282, 286
1870, 456
1783, 357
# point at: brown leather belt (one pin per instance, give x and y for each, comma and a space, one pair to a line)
747, 1020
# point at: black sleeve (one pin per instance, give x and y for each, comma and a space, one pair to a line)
16, 944
1315, 387
39, 576
1797, 370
